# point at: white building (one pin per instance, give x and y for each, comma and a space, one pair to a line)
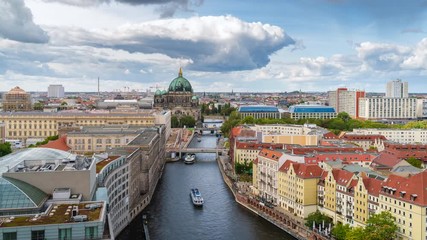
55, 91
268, 165
408, 136
397, 89
387, 108
344, 100
422, 108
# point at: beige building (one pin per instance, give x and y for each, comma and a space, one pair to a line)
344, 100
27, 125
17, 100
407, 136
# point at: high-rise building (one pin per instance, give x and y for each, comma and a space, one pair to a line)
17, 100
397, 89
55, 91
344, 100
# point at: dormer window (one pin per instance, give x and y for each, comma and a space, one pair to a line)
413, 197
402, 194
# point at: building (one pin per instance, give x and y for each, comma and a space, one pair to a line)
388, 108
405, 136
247, 152
40, 125
2, 132
55, 91
17, 100
364, 141
259, 111
297, 188
130, 175
311, 111
344, 100
179, 98
396, 89
422, 108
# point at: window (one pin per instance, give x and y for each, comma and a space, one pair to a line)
91, 232
64, 234
9, 236
37, 235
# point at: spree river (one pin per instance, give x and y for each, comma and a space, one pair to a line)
172, 215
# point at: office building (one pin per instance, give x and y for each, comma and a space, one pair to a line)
55, 91
387, 108
397, 89
312, 111
259, 111
344, 100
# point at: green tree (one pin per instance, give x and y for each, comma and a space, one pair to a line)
344, 116
381, 226
175, 122
248, 120
415, 162
340, 231
356, 233
187, 121
38, 106
318, 218
5, 148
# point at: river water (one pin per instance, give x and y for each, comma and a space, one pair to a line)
172, 215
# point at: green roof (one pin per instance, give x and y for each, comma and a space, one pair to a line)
158, 92
180, 84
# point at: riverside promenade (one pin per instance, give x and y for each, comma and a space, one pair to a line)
243, 195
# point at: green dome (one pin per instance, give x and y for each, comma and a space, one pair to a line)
180, 84
163, 92
158, 92
194, 98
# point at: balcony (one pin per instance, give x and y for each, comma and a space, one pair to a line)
349, 216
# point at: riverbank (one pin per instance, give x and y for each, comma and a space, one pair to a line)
283, 221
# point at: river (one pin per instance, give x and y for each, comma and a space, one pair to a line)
172, 215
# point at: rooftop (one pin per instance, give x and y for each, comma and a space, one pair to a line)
101, 164
258, 108
311, 109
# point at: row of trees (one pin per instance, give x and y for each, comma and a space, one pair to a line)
379, 226
211, 109
5, 148
187, 121
343, 122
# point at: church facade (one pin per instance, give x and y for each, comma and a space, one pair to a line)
179, 98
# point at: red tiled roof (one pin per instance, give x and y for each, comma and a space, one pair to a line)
270, 154
373, 185
255, 146
60, 144
412, 189
361, 137
285, 166
330, 135
308, 171
385, 160
342, 177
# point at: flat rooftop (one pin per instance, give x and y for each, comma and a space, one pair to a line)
145, 137
51, 166
57, 214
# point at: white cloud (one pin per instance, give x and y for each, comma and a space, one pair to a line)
382, 56
16, 23
418, 58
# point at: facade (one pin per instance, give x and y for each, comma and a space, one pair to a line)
344, 100
396, 89
259, 111
130, 176
247, 152
422, 108
2, 132
55, 91
406, 136
297, 188
312, 111
16, 100
388, 108
364, 141
40, 125
179, 98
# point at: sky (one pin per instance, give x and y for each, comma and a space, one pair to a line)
221, 45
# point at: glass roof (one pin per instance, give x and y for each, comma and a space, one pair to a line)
18, 194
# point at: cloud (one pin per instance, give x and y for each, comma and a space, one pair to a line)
383, 56
167, 8
211, 43
16, 23
418, 58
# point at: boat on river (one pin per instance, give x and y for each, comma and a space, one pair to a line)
199, 139
190, 158
196, 197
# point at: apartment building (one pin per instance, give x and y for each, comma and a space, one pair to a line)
344, 100
297, 188
406, 136
364, 141
388, 108
397, 89
247, 152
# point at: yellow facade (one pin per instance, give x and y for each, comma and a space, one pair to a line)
330, 195
361, 211
304, 140
244, 155
41, 125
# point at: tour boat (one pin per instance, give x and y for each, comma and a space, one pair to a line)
189, 158
199, 139
196, 197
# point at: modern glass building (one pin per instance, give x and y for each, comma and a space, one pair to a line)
312, 111
259, 111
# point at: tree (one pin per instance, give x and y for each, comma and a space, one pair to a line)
175, 122
5, 149
187, 121
381, 226
38, 106
340, 231
356, 233
344, 116
415, 162
318, 218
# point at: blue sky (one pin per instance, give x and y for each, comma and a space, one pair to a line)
247, 46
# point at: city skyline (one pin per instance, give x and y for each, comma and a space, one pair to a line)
275, 47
